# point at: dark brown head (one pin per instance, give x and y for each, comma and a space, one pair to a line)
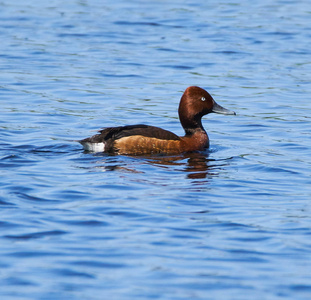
194, 104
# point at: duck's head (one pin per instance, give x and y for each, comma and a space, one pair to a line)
194, 104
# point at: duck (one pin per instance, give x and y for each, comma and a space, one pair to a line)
143, 139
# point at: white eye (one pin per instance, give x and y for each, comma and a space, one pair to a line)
203, 99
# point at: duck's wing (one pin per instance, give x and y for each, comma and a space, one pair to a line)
140, 129
115, 133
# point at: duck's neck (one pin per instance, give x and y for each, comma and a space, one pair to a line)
192, 125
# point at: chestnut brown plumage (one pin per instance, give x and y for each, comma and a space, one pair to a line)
143, 139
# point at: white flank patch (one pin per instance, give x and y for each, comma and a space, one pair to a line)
94, 147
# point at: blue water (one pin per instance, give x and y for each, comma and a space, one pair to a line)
231, 223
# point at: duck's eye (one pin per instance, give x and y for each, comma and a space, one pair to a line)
203, 99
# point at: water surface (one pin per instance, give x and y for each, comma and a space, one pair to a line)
229, 223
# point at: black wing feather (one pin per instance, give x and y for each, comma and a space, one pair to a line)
115, 133
140, 129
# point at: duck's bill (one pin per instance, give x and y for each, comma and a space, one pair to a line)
221, 110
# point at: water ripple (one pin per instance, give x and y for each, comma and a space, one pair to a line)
35, 235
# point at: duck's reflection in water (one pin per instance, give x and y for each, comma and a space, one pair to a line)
197, 165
